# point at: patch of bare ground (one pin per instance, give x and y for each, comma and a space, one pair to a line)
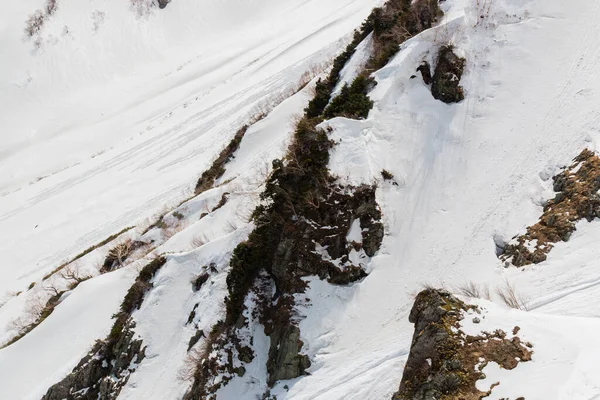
576, 199
445, 363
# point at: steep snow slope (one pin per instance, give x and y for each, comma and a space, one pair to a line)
117, 112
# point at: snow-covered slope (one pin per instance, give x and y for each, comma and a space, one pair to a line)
108, 125
120, 113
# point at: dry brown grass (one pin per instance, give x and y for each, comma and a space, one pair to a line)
576, 199
473, 290
187, 371
170, 231
509, 296
73, 273
199, 240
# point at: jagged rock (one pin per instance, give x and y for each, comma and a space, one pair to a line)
194, 339
372, 237
246, 355
368, 213
118, 254
425, 71
200, 280
285, 362
103, 372
446, 78
345, 276
442, 360
163, 3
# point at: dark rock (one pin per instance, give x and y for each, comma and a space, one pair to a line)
97, 371
246, 354
372, 238
200, 280
419, 378
442, 360
213, 268
163, 3
194, 339
285, 362
191, 316
347, 275
425, 71
446, 78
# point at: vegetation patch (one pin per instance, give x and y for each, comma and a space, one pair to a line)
392, 24
118, 254
324, 88
301, 229
396, 22
217, 169
104, 371
352, 102
445, 363
576, 199
40, 309
38, 19
87, 251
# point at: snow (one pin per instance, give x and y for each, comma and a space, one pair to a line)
355, 233
147, 102
143, 106
254, 382
55, 347
355, 65
564, 350
162, 321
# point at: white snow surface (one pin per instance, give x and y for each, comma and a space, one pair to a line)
103, 127
120, 119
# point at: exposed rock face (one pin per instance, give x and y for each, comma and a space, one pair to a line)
285, 360
163, 3
103, 372
425, 71
295, 258
106, 369
446, 78
300, 232
577, 198
445, 363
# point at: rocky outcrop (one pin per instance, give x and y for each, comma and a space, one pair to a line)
163, 3
301, 231
103, 372
425, 71
285, 360
444, 362
445, 84
576, 199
